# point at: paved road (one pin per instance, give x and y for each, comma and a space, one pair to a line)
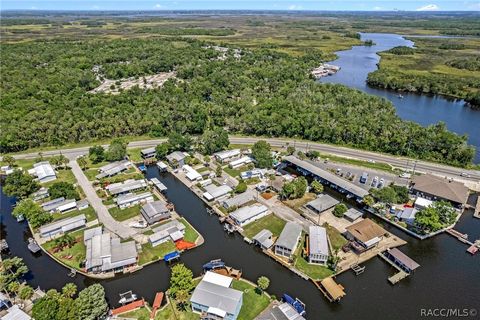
104, 216
402, 163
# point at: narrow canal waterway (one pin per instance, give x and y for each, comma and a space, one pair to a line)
448, 276
359, 61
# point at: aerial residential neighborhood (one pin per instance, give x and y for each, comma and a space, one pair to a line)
240, 161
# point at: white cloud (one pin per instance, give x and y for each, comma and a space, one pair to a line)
158, 6
378, 8
295, 7
95, 7
428, 7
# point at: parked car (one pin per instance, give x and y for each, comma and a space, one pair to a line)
364, 178
381, 183
374, 182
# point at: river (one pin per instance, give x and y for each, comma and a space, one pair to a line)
448, 276
358, 62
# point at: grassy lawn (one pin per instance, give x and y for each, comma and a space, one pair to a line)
172, 311
336, 239
150, 253
134, 154
124, 214
141, 313
314, 271
64, 175
190, 234
270, 222
89, 213
296, 204
253, 303
235, 173
360, 163
21, 163
77, 251
202, 169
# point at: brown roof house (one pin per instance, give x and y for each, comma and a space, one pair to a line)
437, 188
366, 233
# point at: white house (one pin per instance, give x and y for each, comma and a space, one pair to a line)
213, 192
191, 173
240, 162
318, 245
62, 226
131, 199
227, 155
173, 230
288, 239
255, 173
43, 171
249, 214
422, 203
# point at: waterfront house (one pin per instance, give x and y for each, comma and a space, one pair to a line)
59, 205
15, 313
263, 239
343, 186
130, 185
148, 153
113, 168
352, 214
159, 185
82, 204
249, 214
214, 299
407, 215
322, 203
403, 261
366, 233
42, 193
105, 253
173, 230
191, 173
284, 311
62, 226
227, 155
436, 188
238, 200
288, 239
176, 159
240, 162
131, 199
43, 171
162, 166
250, 174
155, 211
317, 245
213, 192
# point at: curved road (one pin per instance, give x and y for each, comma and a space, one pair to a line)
399, 162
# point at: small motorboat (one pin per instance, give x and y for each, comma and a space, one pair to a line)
228, 228
20, 218
140, 224
214, 264
296, 303
127, 297
400, 96
33, 245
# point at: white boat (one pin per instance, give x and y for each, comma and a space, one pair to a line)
140, 224
127, 297
20, 218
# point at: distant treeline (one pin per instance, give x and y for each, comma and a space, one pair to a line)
188, 31
45, 101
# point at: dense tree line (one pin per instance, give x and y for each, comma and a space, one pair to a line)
401, 50
45, 99
472, 64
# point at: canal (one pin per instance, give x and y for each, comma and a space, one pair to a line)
448, 276
357, 62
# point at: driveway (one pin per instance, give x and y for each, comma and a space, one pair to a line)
104, 216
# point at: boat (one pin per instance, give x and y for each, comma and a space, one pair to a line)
140, 224
214, 264
20, 218
296, 303
72, 273
33, 245
400, 96
127, 297
142, 168
3, 245
228, 227
171, 256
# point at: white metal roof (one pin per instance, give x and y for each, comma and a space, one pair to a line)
127, 185
212, 295
289, 236
217, 279
248, 212
422, 202
318, 240
241, 161
222, 155
131, 197
44, 170
63, 223
214, 191
15, 313
191, 173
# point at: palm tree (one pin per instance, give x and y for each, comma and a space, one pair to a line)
9, 160
63, 161
82, 162
69, 290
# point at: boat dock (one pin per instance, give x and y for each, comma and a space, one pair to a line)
400, 261
330, 289
33, 246
476, 212
357, 269
3, 245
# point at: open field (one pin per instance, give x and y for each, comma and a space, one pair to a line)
270, 222
124, 214
253, 301
150, 253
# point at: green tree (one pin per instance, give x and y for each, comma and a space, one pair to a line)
241, 187
96, 154
214, 140
32, 212
10, 271
63, 189
69, 290
368, 200
339, 210
181, 296
313, 154
67, 309
316, 186
13, 287
10, 160
26, 292
65, 240
301, 185
181, 279
82, 162
20, 184
46, 308
218, 171
261, 152
117, 150
180, 142
162, 150
263, 283
385, 195
91, 303
290, 150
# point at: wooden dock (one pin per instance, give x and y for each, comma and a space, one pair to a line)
400, 275
476, 212
357, 269
462, 237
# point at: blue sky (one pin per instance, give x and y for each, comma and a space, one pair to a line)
349, 5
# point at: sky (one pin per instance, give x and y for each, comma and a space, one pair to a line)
306, 5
